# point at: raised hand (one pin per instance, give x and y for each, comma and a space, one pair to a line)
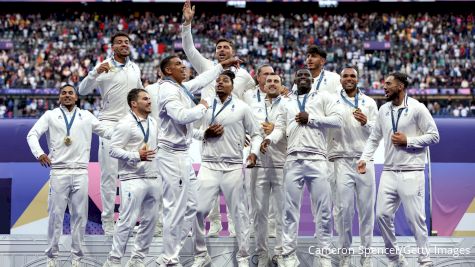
188, 12
104, 67
231, 62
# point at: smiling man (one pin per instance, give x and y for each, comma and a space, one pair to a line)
114, 78
224, 128
304, 119
268, 173
224, 50
134, 143
407, 128
359, 113
68, 132
177, 111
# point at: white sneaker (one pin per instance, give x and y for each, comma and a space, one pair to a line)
51, 262
231, 229
263, 261
75, 263
243, 263
426, 264
158, 230
108, 227
214, 228
326, 262
291, 260
135, 263
366, 262
272, 232
401, 262
201, 261
344, 261
109, 263
278, 260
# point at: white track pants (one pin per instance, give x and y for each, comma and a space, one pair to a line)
139, 199
351, 184
269, 188
231, 184
72, 190
109, 174
407, 187
313, 173
179, 201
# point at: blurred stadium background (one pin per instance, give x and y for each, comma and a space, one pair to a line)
45, 44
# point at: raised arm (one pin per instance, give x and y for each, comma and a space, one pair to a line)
199, 63
195, 85
169, 98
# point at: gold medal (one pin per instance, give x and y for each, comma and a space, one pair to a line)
68, 141
356, 109
145, 146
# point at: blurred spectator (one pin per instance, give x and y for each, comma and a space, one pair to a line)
436, 50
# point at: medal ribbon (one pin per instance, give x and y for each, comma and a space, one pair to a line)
355, 105
215, 102
274, 103
399, 112
145, 134
190, 95
70, 123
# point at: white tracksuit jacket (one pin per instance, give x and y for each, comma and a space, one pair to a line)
242, 82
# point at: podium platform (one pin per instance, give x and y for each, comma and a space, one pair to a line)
28, 251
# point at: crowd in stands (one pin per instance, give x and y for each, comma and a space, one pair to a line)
437, 50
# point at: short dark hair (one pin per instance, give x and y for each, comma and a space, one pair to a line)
231, 43
118, 34
281, 79
133, 95
401, 77
349, 67
67, 85
230, 74
165, 62
315, 50
259, 69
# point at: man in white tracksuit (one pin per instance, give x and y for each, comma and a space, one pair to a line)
152, 90
323, 80
407, 128
178, 109
224, 128
134, 143
242, 83
114, 78
68, 133
304, 119
359, 113
269, 173
255, 99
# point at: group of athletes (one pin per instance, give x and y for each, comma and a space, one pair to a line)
260, 144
